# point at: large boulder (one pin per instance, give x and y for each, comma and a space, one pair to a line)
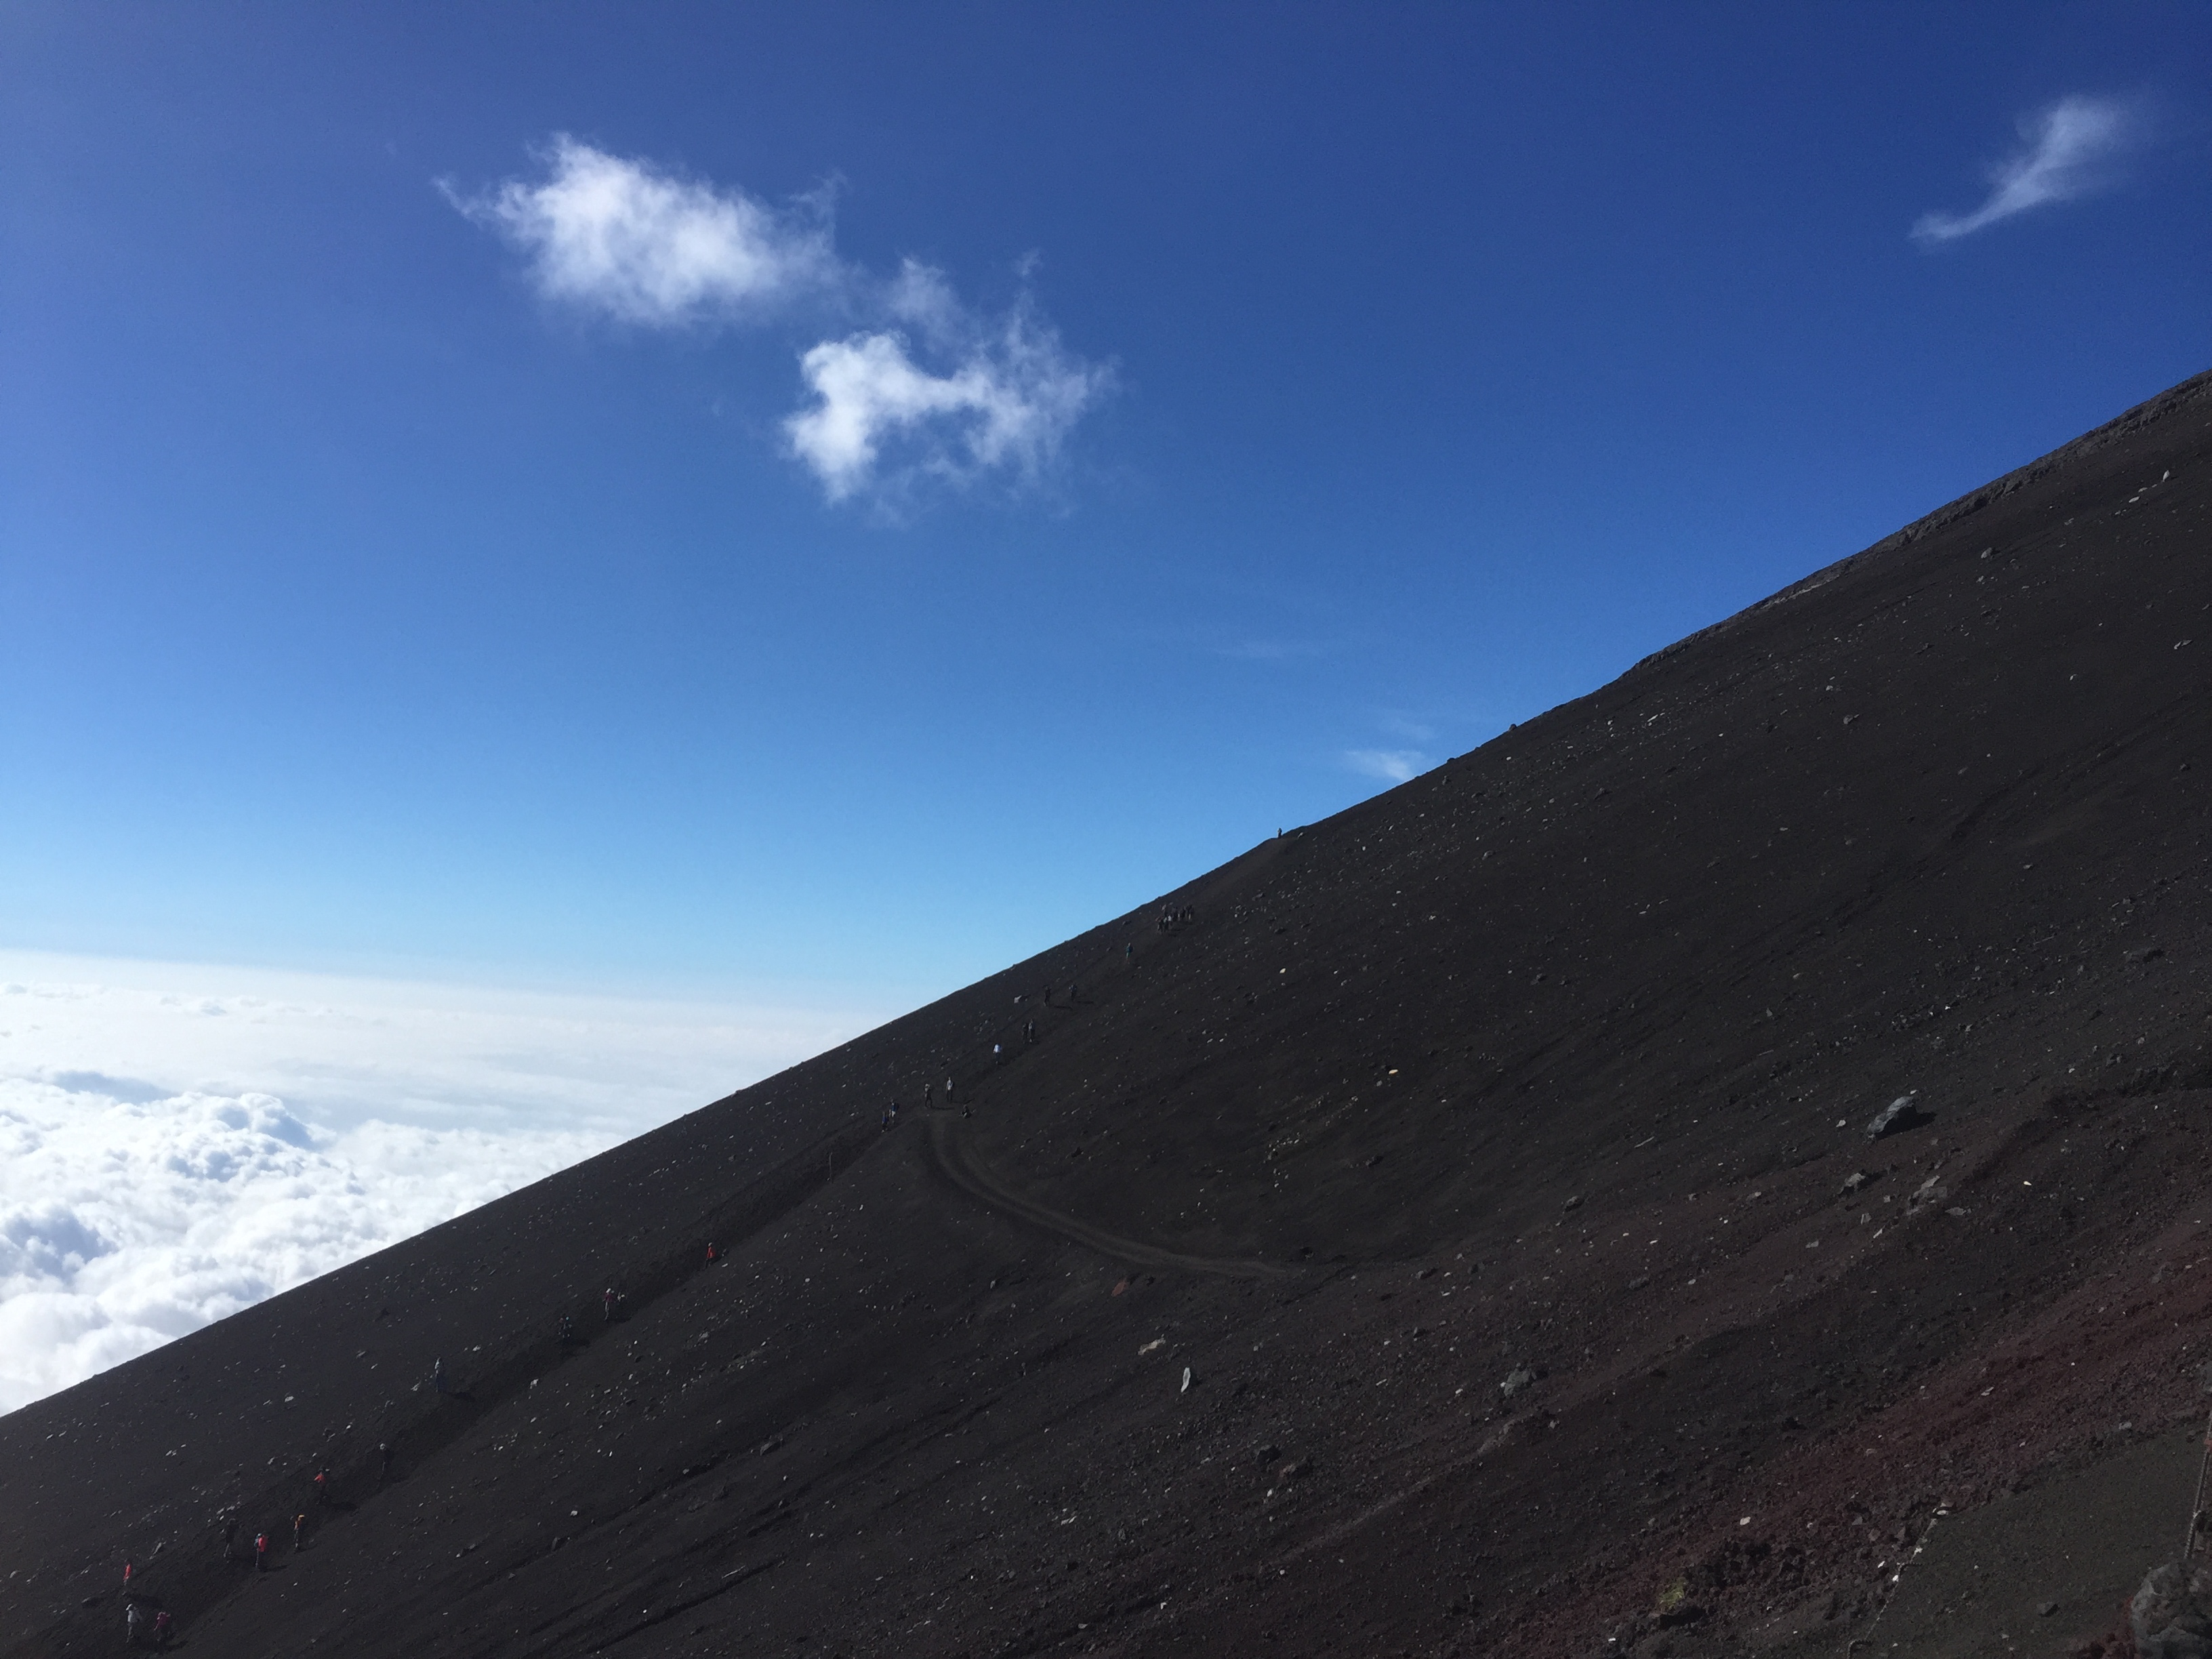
1894, 1119
2170, 1616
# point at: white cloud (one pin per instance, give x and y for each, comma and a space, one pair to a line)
625, 238
123, 1225
177, 1143
1005, 405
2066, 151
925, 389
1394, 765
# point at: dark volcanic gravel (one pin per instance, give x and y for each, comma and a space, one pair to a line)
1492, 1160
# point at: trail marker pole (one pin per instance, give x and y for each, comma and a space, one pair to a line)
2196, 1504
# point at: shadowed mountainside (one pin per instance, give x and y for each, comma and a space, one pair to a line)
1461, 1234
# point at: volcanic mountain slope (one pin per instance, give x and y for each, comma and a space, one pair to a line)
1457, 1232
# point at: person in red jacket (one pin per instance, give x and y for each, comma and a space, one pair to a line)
261, 1551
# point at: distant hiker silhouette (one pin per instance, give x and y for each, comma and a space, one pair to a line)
710, 1252
608, 1303
130, 1618
383, 1459
323, 1488
438, 1376
261, 1551
298, 1529
161, 1623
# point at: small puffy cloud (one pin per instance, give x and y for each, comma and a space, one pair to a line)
623, 237
2067, 151
923, 388
1392, 765
880, 419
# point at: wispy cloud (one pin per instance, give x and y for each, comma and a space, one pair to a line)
1394, 765
925, 389
642, 244
1271, 650
2067, 150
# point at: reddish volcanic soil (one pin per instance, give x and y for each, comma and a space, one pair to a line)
1461, 1234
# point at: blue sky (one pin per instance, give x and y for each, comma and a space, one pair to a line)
404, 571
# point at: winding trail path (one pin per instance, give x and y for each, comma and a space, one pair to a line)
957, 1161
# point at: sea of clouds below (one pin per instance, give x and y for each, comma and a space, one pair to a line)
179, 1142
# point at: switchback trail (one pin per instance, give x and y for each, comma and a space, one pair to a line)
958, 1164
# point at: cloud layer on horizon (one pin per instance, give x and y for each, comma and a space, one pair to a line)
178, 1142
123, 1225
923, 391
2067, 151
